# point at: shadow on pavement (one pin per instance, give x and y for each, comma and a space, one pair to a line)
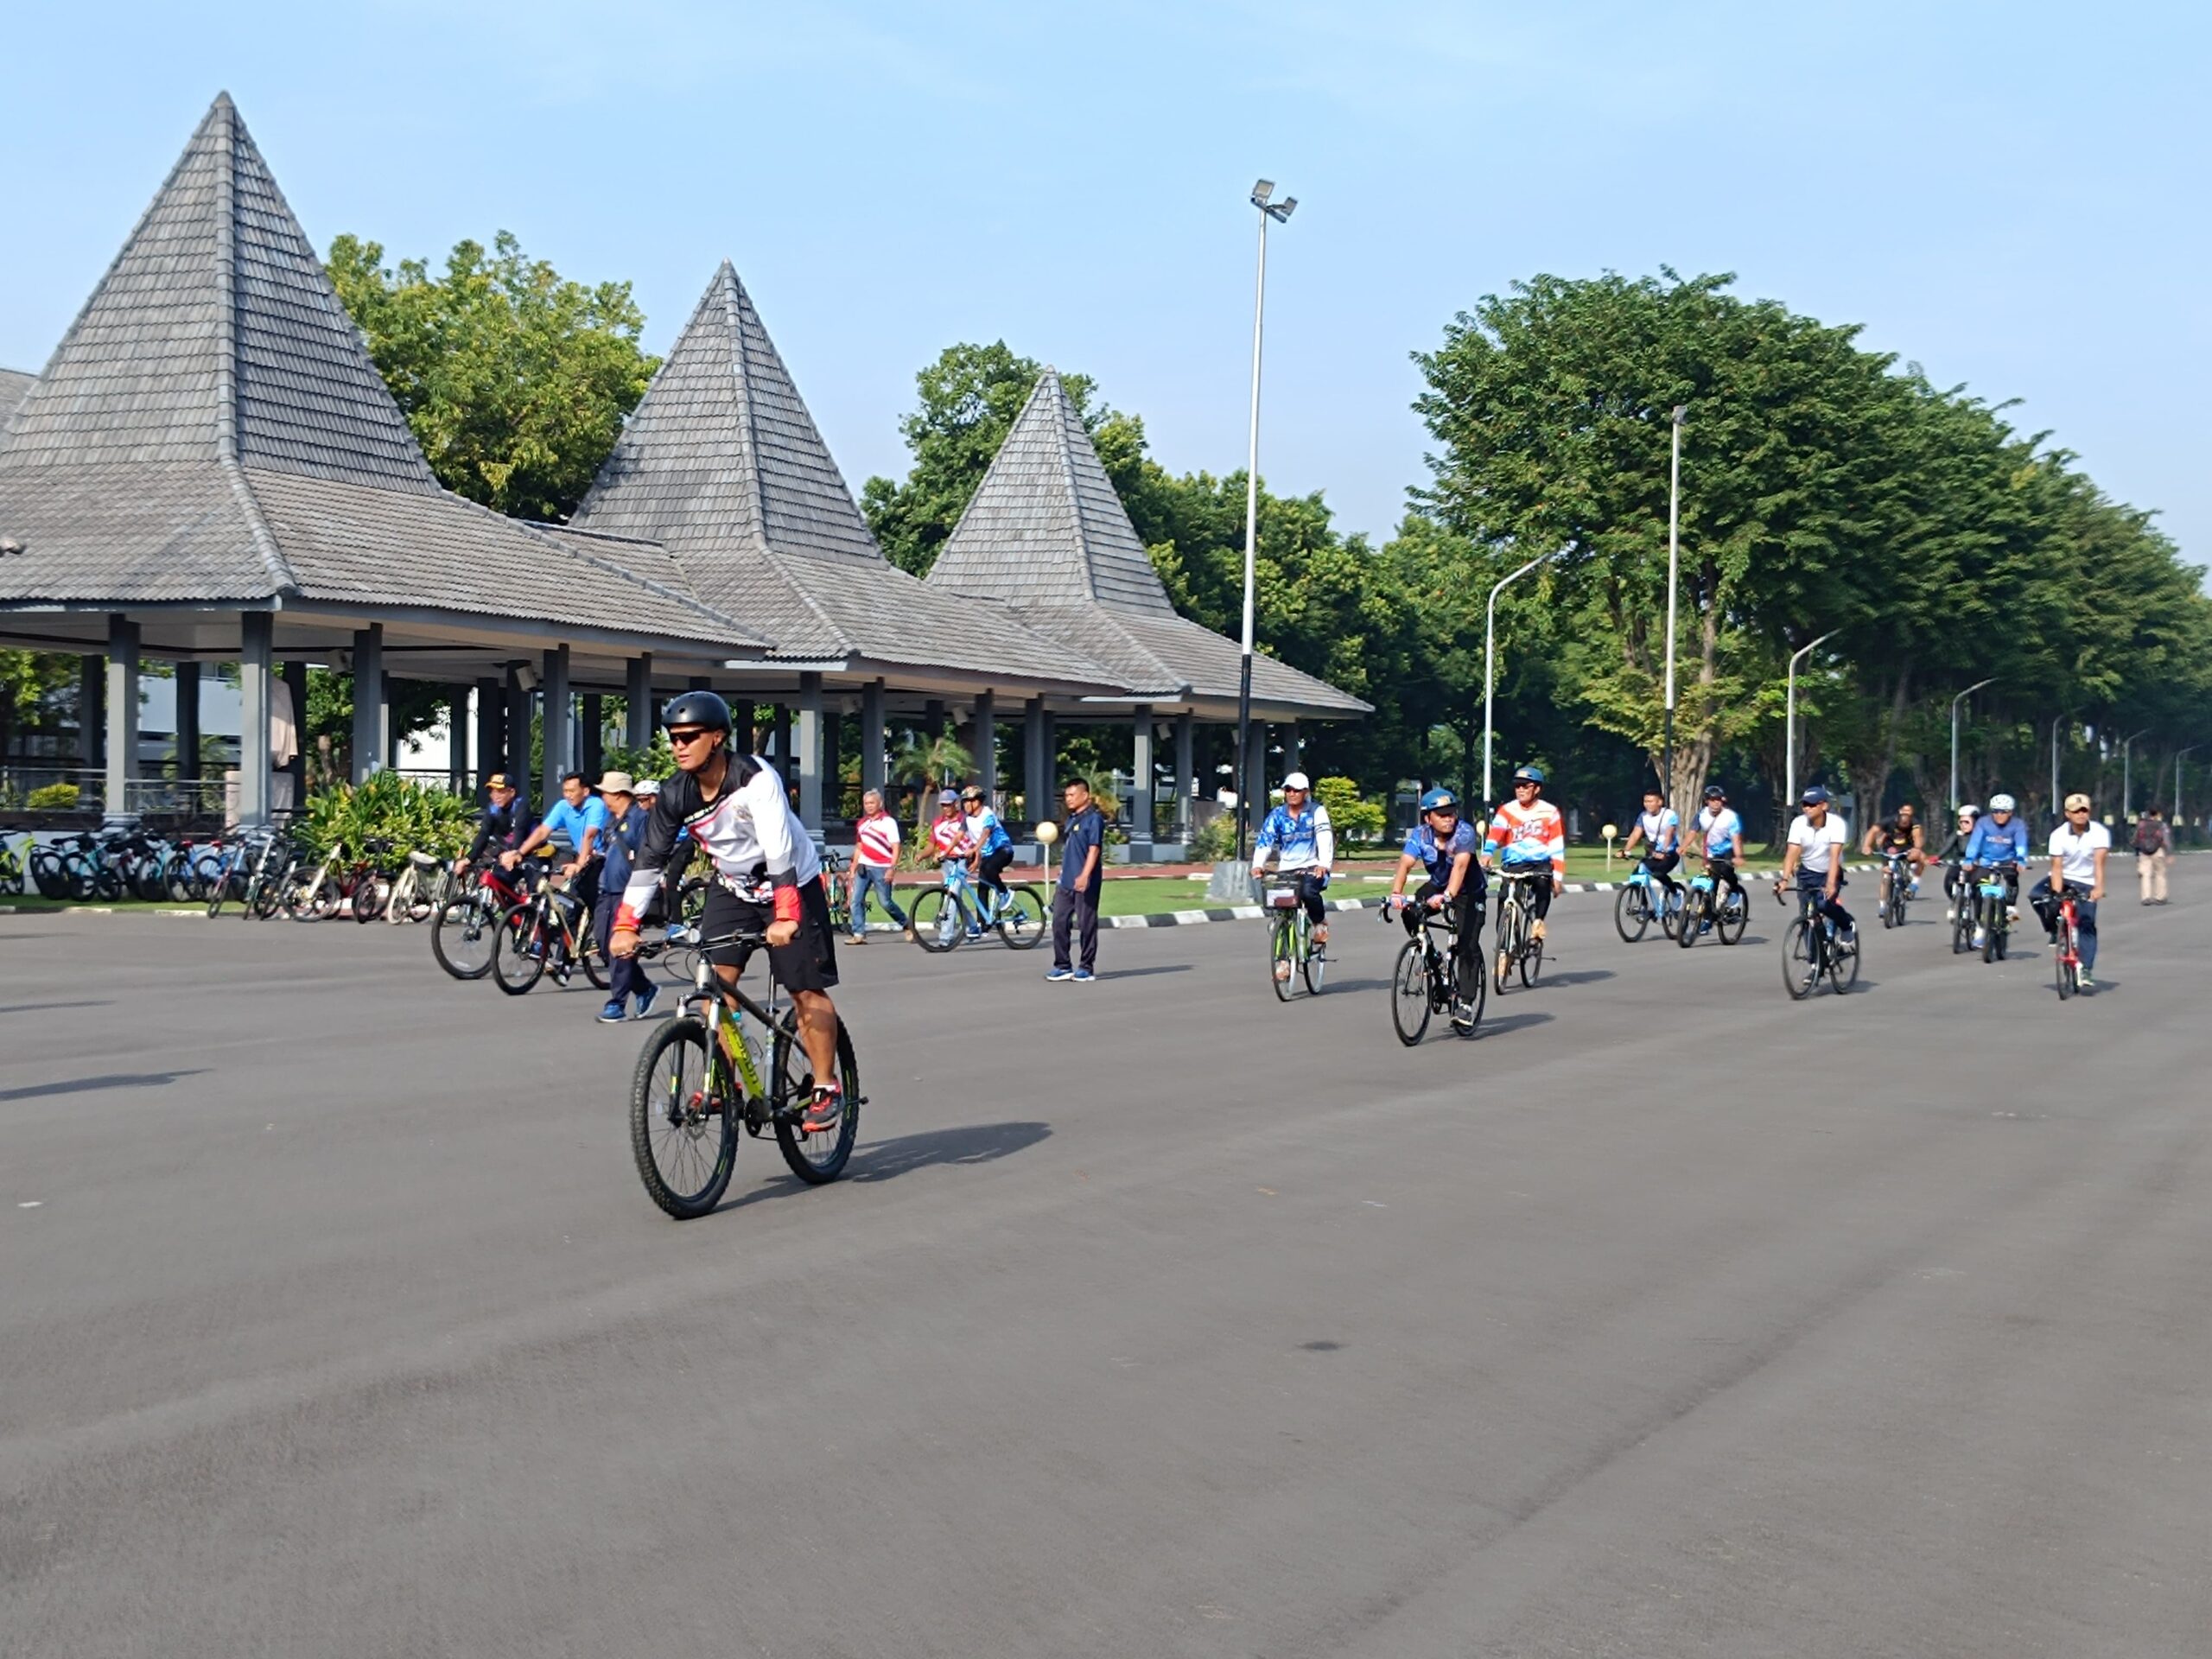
84, 1085
1588, 975
42, 1008
975, 1143
1141, 973
1512, 1022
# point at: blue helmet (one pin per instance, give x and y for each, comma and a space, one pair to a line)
1439, 800
1529, 775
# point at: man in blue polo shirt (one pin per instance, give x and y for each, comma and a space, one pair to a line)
579, 817
1075, 905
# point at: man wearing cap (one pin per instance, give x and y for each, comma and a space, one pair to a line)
502, 824
1304, 843
1814, 859
2079, 848
626, 826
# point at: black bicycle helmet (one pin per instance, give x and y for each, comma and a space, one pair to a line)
695, 709
1714, 792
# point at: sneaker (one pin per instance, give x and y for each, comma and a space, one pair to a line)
1059, 974
1951, 914
1282, 972
823, 1112
1537, 931
1084, 975
1980, 937
646, 998
678, 934
2086, 981
1462, 1012
858, 938
975, 932
611, 1014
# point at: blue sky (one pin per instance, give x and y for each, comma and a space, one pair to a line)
2012, 195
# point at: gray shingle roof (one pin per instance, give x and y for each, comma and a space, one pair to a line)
211, 427
15, 387
722, 465
1047, 534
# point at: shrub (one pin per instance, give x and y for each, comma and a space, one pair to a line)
1353, 818
1215, 841
387, 807
53, 798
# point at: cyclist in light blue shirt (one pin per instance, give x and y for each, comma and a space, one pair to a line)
579, 817
1998, 844
1304, 843
1720, 836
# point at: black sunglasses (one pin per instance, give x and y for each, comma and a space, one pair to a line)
690, 733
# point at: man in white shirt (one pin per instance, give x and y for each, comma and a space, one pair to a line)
2079, 848
1814, 859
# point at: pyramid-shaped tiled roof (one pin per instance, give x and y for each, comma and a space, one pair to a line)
212, 428
722, 465
1046, 534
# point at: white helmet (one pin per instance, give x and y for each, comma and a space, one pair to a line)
1297, 780
1969, 810
2000, 802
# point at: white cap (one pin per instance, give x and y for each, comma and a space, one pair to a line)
1297, 780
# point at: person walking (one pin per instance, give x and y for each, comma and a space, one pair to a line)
625, 825
876, 852
2154, 841
1075, 902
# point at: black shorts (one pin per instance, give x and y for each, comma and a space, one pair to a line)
808, 962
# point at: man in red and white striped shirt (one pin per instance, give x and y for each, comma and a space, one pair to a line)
1530, 836
875, 849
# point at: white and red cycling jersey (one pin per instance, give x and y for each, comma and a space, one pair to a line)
1535, 834
759, 848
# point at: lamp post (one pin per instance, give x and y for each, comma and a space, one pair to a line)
1279, 211
2126, 773
1674, 564
1789, 722
2056, 725
1955, 701
1489, 654
2179, 819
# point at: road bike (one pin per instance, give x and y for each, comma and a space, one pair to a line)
548, 932
1518, 946
1292, 954
466, 933
1813, 950
959, 909
1426, 982
2069, 954
701, 1075
1725, 915
1897, 887
1642, 900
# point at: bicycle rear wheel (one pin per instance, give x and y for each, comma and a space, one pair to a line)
1532, 958
1632, 914
683, 1121
1801, 961
937, 920
819, 1157
1962, 925
1410, 1000
518, 953
593, 954
1692, 915
1670, 912
1315, 966
1022, 918
1843, 966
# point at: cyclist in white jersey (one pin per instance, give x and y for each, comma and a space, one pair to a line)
1659, 828
1720, 839
2079, 848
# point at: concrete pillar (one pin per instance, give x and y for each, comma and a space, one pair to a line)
780, 732
872, 735
1141, 765
187, 765
121, 717
91, 711
256, 630
833, 763
371, 725
1036, 769
490, 755
295, 676
1185, 775
516, 757
987, 744
556, 734
932, 719
809, 751
591, 752
637, 692
460, 724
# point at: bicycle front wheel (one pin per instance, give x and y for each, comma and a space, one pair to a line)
937, 920
1410, 993
2069, 973
1735, 916
518, 950
1022, 918
1532, 959
1632, 914
683, 1121
1692, 918
821, 1156
463, 938
1801, 960
1282, 953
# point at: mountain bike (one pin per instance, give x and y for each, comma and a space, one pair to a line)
1425, 980
269, 864
1518, 947
550, 930
1812, 951
1645, 898
466, 931
961, 908
1292, 954
1896, 888
1725, 914
2069, 954
700, 1077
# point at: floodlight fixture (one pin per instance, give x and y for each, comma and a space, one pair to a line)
1284, 209
1262, 191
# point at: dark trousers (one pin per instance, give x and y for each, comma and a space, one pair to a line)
1073, 911
1468, 911
1662, 866
2085, 916
625, 975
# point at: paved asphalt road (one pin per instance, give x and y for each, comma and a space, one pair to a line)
1667, 1318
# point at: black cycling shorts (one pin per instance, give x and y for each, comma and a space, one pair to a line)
808, 962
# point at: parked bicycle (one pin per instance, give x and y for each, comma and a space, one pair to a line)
1642, 900
1518, 947
1426, 982
961, 908
14, 860
1707, 910
1292, 954
1811, 951
701, 1077
424, 886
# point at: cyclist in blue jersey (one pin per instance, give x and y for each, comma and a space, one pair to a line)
1445, 847
1304, 843
1720, 838
579, 817
994, 848
2000, 845
1659, 828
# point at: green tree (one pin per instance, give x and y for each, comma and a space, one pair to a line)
515, 380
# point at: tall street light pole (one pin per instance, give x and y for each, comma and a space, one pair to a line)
2180, 818
1955, 701
2127, 774
1790, 721
1490, 656
1673, 566
2056, 725
1279, 211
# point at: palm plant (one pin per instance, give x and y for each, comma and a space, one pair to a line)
929, 764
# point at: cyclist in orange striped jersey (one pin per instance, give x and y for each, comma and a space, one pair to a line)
1527, 833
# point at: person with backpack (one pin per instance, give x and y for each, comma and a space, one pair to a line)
2154, 839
